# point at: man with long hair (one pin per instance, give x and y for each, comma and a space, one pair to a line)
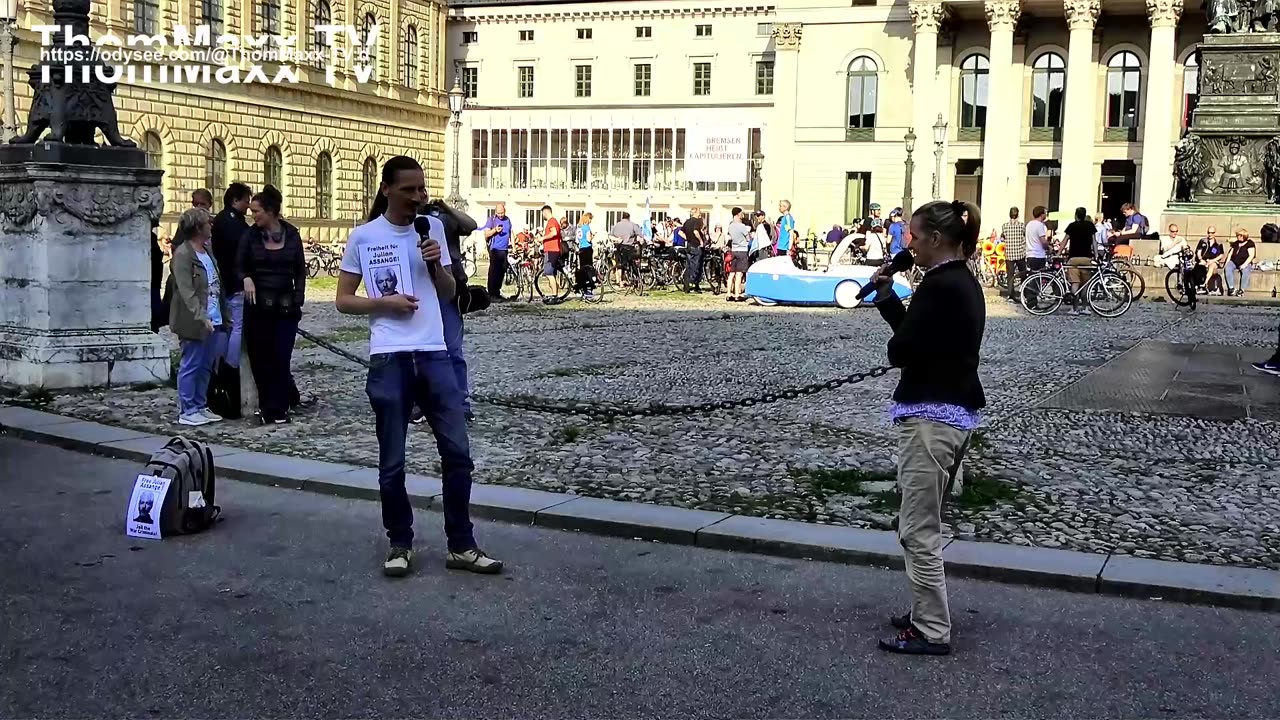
409, 364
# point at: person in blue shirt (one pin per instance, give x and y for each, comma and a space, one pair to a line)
1135, 225
786, 228
586, 256
677, 234
897, 232
498, 232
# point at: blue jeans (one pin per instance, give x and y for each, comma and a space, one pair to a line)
229, 342
1245, 272
193, 373
452, 319
398, 381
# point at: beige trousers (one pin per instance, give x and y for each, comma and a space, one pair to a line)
929, 456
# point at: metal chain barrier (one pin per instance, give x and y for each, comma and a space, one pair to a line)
610, 412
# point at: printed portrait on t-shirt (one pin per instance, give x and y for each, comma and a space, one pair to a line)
387, 281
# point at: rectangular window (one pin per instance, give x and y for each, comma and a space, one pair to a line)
146, 14
533, 220
611, 218
644, 32
764, 29
584, 33
702, 31
539, 158
702, 78
526, 36
499, 163
525, 85
641, 154
857, 195
470, 81
520, 159
578, 160
269, 17
582, 81
573, 216
211, 15
558, 177
479, 158
470, 37
644, 79
764, 77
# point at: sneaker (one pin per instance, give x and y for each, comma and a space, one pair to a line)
1239, 293
305, 400
398, 562
1269, 367
282, 420
417, 418
911, 642
474, 560
902, 622
210, 415
470, 416
194, 419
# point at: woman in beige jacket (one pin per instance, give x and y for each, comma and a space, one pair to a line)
196, 314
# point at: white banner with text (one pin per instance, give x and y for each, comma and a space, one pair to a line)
716, 154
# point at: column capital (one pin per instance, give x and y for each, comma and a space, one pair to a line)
1164, 13
926, 15
786, 36
1082, 14
1003, 14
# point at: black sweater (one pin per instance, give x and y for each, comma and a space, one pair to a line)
936, 341
228, 228
279, 276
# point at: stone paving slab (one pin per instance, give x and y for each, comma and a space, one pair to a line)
362, 484
265, 469
629, 519
76, 435
1187, 582
803, 540
1063, 569
513, 504
28, 418
141, 449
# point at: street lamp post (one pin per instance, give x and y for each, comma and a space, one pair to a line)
757, 161
456, 100
939, 139
910, 141
8, 40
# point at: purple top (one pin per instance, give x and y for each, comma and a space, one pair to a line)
957, 417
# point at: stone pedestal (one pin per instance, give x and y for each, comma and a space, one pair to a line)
75, 277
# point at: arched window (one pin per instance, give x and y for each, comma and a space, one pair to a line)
146, 16
154, 147
369, 181
215, 166
1048, 86
269, 17
1190, 87
975, 73
1124, 90
409, 58
324, 186
367, 50
863, 90
211, 14
273, 168
323, 16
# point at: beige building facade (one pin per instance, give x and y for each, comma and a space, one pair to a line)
1062, 103
321, 145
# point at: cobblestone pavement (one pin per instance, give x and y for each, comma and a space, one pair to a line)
1168, 487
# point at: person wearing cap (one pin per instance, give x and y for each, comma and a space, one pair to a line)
897, 232
761, 238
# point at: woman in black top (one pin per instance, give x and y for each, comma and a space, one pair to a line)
1080, 235
272, 267
936, 343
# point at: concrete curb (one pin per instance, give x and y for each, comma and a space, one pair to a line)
1119, 575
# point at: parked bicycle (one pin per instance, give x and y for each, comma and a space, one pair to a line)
1180, 282
1105, 292
321, 257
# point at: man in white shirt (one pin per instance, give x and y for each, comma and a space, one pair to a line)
409, 363
1037, 239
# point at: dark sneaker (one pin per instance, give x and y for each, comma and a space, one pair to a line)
911, 642
305, 400
470, 416
902, 622
398, 562
417, 418
1269, 367
474, 560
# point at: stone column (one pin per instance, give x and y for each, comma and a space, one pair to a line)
75, 299
927, 16
1079, 131
778, 173
1004, 115
1155, 180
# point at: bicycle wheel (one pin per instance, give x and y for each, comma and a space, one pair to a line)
1179, 291
331, 265
564, 285
510, 283
1134, 278
1109, 296
469, 267
1041, 293
313, 266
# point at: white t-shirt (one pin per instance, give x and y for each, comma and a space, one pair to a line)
1036, 233
875, 246
423, 330
760, 239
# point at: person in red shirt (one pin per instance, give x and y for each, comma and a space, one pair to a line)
551, 249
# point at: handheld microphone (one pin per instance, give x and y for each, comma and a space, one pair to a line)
423, 227
901, 262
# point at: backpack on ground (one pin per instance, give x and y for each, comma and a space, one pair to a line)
189, 503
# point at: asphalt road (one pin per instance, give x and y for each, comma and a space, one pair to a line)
281, 611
